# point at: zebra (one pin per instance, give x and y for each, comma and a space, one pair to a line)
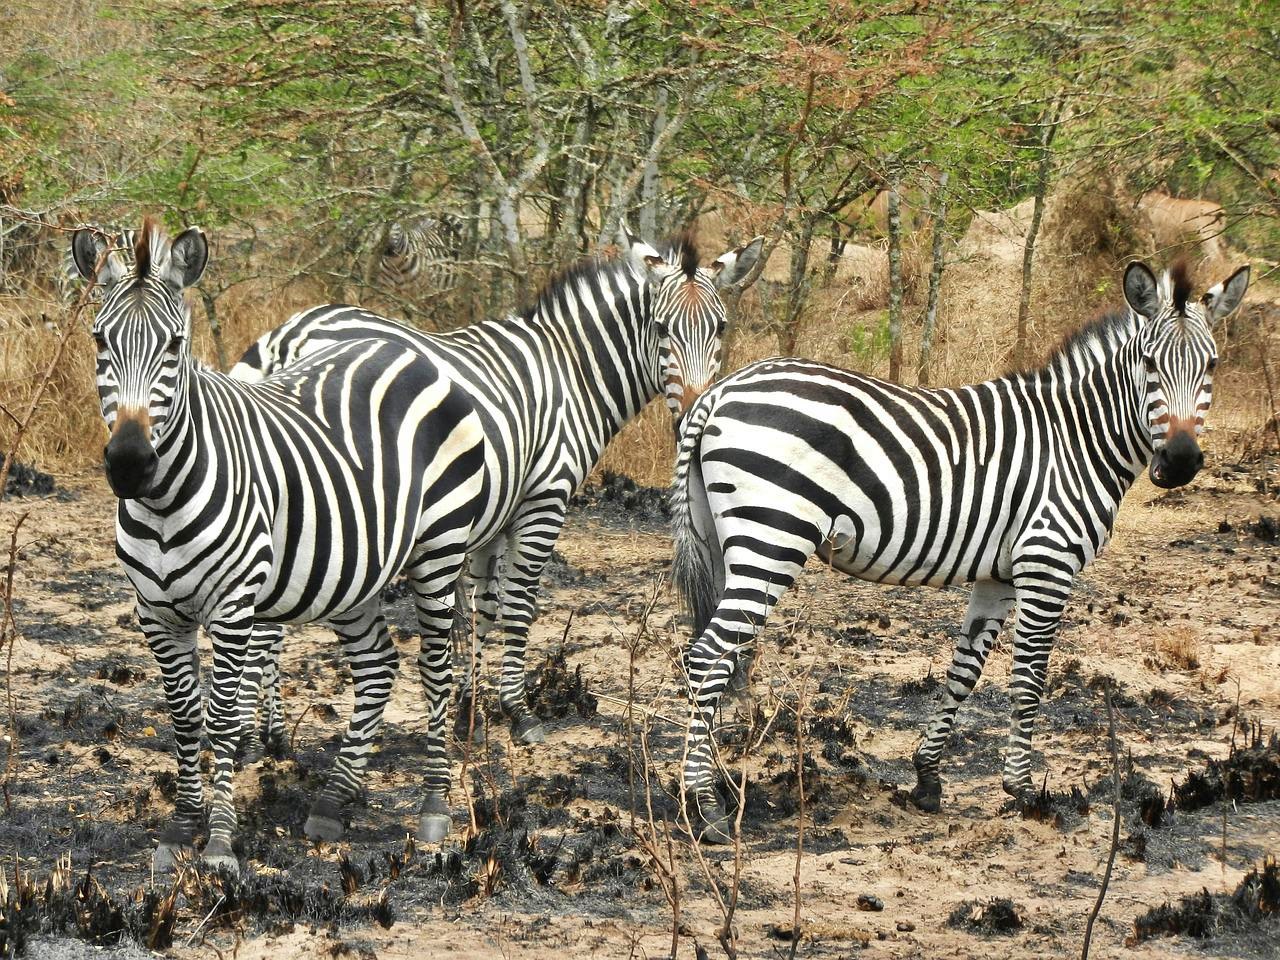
289, 501
421, 257
552, 386
1012, 485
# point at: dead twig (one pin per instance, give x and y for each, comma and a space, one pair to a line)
1115, 824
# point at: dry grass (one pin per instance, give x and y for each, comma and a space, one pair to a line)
1180, 648
1078, 267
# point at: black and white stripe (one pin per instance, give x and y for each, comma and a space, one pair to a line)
421, 258
69, 282
289, 501
552, 386
1012, 485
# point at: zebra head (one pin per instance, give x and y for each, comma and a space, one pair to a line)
1178, 355
686, 315
142, 332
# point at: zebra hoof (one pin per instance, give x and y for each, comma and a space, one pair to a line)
927, 794
434, 822
218, 856
528, 729
166, 857
715, 827
464, 728
275, 746
325, 821
1021, 790
434, 827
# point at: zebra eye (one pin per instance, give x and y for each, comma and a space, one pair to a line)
1213, 364
661, 328
175, 343
720, 327
1150, 363
99, 342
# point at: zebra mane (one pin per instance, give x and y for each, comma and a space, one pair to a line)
147, 247
1093, 341
1179, 284
681, 248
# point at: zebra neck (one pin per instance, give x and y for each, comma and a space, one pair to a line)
1098, 410
190, 455
594, 334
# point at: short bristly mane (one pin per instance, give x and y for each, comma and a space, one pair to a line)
681, 248
1180, 285
1093, 342
143, 248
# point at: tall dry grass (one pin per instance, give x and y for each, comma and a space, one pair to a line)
1077, 273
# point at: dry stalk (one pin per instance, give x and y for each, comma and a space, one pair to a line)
801, 703
8, 637
1115, 824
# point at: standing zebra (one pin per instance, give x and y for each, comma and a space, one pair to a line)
290, 501
1012, 485
552, 386
422, 257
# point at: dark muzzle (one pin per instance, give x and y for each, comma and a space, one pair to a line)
1177, 462
130, 461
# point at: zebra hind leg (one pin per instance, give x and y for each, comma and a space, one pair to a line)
711, 662
373, 660
261, 727
469, 720
433, 596
989, 605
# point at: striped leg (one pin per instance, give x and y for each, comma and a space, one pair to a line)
989, 605
433, 588
232, 636
533, 537
710, 664
260, 695
484, 574
373, 660
1042, 595
174, 647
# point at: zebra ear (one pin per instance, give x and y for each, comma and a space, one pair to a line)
188, 257
1141, 290
730, 268
86, 249
1226, 296
643, 256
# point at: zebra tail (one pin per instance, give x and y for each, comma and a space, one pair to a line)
693, 567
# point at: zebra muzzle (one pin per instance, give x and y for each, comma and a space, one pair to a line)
130, 461
1177, 462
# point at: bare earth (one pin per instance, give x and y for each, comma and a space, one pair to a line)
1181, 611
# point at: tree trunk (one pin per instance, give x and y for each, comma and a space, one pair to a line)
1022, 350
895, 280
649, 186
215, 327
937, 264
797, 287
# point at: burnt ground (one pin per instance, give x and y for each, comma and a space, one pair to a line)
1179, 616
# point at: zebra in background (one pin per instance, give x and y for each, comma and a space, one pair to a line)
290, 501
552, 386
1012, 485
422, 257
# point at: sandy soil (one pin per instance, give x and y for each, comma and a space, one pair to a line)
1181, 612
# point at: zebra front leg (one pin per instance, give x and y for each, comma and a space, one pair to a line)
232, 636
271, 715
989, 605
1041, 600
174, 647
373, 660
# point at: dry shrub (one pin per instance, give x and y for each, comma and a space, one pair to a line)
1180, 647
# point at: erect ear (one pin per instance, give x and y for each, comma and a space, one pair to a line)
87, 246
188, 256
643, 256
1141, 290
729, 268
1226, 296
